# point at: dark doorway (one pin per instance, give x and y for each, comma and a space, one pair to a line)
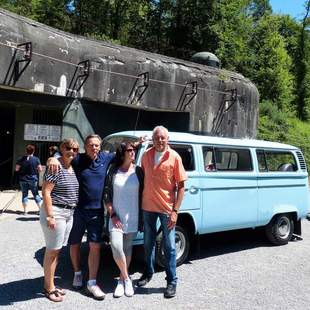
107, 118
7, 125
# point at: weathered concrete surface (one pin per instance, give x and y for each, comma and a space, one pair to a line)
113, 73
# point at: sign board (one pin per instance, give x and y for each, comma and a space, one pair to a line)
40, 132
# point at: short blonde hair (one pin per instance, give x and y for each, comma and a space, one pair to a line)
70, 143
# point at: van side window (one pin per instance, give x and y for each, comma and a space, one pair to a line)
223, 159
186, 153
262, 164
276, 161
209, 162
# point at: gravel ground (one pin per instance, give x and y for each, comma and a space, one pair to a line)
232, 270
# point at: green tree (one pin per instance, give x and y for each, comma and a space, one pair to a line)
52, 13
272, 64
233, 29
303, 67
21, 7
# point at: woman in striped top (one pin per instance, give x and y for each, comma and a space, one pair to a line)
60, 197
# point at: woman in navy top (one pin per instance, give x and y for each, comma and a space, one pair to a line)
28, 168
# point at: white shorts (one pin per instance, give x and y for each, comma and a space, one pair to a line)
56, 238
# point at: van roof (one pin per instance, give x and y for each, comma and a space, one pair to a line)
200, 139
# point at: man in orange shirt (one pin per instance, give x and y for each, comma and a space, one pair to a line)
164, 177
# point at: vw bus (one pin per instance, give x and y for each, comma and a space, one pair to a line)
232, 184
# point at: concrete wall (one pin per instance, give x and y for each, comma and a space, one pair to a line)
113, 74
23, 115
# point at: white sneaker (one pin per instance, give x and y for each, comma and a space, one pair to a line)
128, 288
77, 281
96, 291
119, 290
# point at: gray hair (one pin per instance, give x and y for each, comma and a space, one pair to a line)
160, 128
91, 137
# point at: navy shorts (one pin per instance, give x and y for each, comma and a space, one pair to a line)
90, 220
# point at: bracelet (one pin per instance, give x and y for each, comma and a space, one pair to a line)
49, 217
175, 210
112, 215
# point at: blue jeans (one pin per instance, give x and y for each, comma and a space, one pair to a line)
150, 233
32, 186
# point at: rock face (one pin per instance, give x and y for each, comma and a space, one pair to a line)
219, 102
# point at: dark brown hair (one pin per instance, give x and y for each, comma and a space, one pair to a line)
30, 148
120, 153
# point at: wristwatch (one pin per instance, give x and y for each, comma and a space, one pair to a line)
49, 217
175, 210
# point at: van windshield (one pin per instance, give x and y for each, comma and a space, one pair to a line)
110, 144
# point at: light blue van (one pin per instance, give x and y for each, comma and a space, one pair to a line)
233, 184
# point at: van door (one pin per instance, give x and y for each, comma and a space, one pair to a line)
229, 189
191, 201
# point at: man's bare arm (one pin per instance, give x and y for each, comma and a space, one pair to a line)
174, 214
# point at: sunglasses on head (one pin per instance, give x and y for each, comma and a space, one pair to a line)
74, 149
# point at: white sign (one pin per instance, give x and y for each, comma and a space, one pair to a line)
40, 132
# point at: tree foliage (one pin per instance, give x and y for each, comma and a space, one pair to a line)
272, 50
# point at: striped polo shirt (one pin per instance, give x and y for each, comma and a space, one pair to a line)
66, 186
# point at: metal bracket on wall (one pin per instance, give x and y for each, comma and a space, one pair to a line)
225, 106
81, 75
139, 88
187, 97
22, 54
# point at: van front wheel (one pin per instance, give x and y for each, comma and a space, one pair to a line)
280, 230
182, 246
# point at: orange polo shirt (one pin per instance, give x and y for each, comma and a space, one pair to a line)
160, 181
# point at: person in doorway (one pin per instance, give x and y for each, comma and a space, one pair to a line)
164, 178
28, 167
53, 151
60, 198
90, 168
122, 197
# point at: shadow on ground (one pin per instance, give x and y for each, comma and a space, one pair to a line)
20, 290
210, 245
215, 244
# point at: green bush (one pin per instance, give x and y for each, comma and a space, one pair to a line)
276, 125
273, 124
299, 135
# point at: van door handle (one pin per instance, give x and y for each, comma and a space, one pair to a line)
192, 190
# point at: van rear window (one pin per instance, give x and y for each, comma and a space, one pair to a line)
270, 161
226, 159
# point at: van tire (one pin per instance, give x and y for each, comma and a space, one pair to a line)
280, 229
182, 246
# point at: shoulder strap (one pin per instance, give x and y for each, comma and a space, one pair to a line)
140, 175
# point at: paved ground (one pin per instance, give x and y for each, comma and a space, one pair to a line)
234, 270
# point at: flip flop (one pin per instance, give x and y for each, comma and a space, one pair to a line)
54, 295
60, 290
